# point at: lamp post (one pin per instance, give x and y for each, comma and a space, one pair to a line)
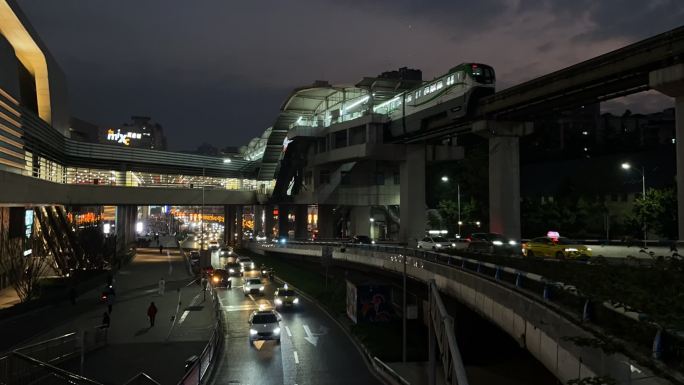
626, 166
445, 179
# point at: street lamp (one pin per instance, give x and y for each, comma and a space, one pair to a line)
445, 179
626, 166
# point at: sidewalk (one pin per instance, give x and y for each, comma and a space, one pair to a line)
133, 346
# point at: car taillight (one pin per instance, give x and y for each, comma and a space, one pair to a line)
468, 239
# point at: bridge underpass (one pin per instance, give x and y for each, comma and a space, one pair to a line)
546, 330
490, 356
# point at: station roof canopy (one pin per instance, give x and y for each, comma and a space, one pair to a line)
308, 100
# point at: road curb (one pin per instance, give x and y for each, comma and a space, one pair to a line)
367, 356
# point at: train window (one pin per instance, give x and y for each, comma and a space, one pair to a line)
408, 99
439, 85
483, 75
433, 87
426, 90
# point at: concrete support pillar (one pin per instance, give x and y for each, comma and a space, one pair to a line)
259, 216
269, 223
504, 185
125, 227
359, 219
238, 225
504, 173
301, 222
412, 195
283, 222
229, 224
326, 222
670, 81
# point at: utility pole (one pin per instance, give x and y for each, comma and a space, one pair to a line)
403, 321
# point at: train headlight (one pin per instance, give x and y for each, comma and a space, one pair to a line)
276, 331
278, 301
497, 243
252, 332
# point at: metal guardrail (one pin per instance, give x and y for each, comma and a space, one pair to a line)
18, 368
389, 372
200, 368
443, 329
36, 361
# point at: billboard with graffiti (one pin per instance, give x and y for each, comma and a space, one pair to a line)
369, 302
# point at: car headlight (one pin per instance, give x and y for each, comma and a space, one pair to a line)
296, 300
230, 252
261, 288
216, 279
570, 249
231, 271
497, 243
453, 245
438, 245
278, 301
512, 242
276, 331
252, 265
588, 248
242, 270
263, 271
252, 332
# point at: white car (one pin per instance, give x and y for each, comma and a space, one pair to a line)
264, 325
435, 243
246, 263
253, 286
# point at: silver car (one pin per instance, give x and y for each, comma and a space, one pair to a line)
264, 325
246, 263
253, 286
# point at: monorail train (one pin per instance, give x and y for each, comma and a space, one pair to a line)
439, 102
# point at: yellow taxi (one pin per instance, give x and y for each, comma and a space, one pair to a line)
560, 248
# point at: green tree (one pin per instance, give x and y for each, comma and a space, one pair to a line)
656, 212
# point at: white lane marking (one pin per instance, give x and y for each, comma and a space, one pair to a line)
296, 356
289, 334
231, 308
185, 313
310, 337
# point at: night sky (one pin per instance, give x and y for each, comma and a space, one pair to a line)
217, 71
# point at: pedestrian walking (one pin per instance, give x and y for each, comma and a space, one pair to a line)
161, 249
162, 286
110, 301
204, 283
105, 320
151, 313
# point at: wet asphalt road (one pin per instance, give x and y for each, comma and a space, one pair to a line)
313, 349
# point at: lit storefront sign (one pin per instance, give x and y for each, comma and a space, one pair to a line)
123, 138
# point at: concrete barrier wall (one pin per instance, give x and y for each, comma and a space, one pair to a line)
537, 326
